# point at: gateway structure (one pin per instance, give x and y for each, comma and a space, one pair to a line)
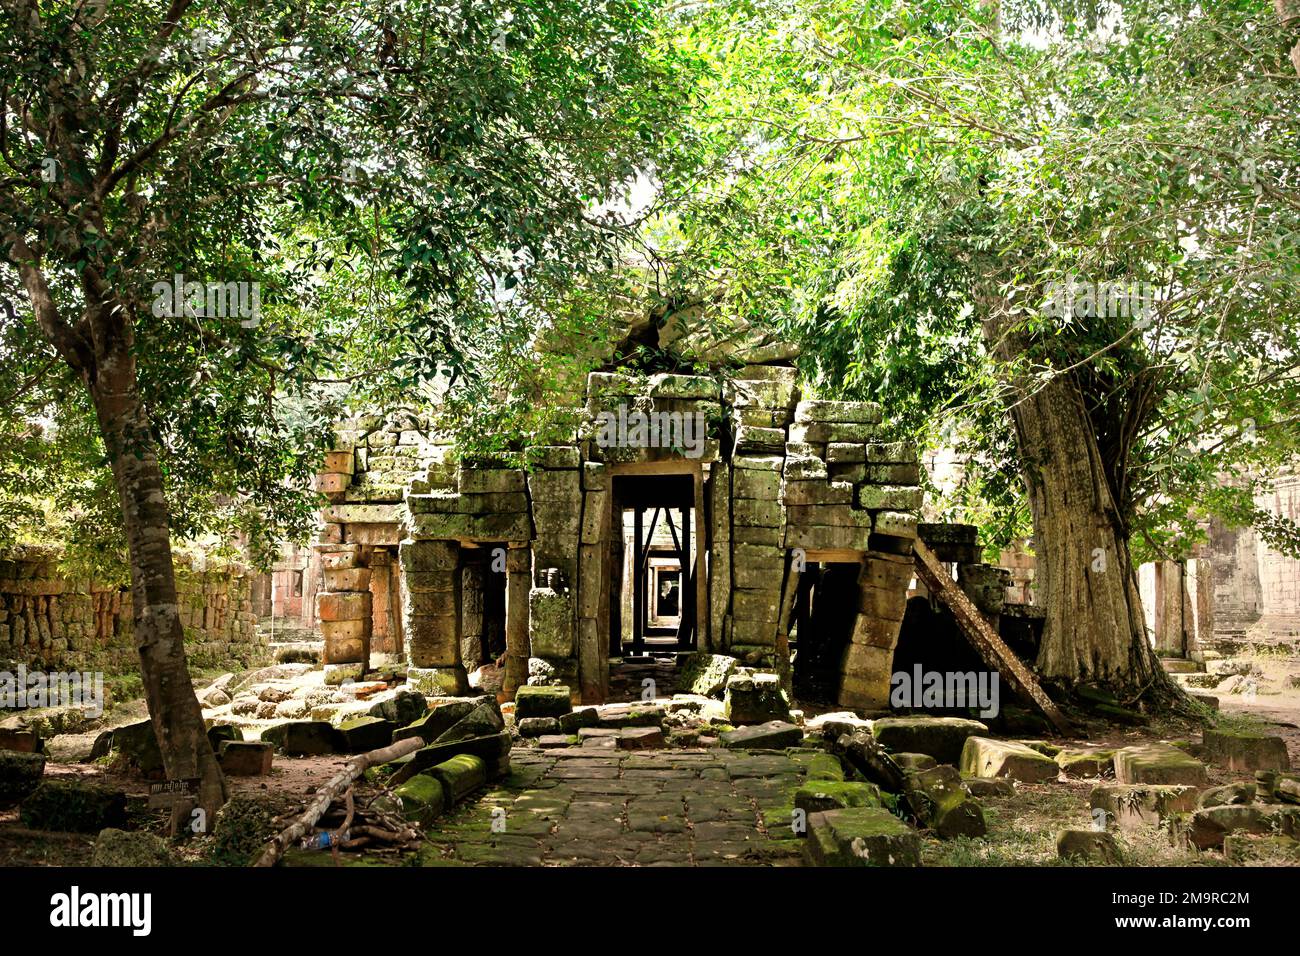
776, 523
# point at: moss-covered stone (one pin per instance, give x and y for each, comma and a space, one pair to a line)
460, 776
422, 798
74, 806
755, 699
940, 737
1245, 750
824, 766
1237, 794
223, 732
1088, 846
305, 738
1135, 805
861, 836
542, 702
1085, 763
914, 762
986, 757
131, 848
364, 734
939, 801
705, 674
1157, 763
821, 795
139, 745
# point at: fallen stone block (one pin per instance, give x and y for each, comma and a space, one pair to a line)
1207, 828
861, 836
305, 738
575, 720
755, 699
436, 722
939, 737
422, 798
834, 725
1233, 794
223, 733
246, 758
940, 802
74, 806
1287, 789
1085, 763
460, 776
986, 757
484, 719
1158, 763
1135, 805
538, 726
705, 674
640, 738
553, 741
914, 761
1244, 750
139, 745
1088, 846
364, 734
492, 749
773, 735
403, 708
861, 751
820, 795
20, 775
550, 701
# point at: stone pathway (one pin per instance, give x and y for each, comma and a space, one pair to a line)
580, 807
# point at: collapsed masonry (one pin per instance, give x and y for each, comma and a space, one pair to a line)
765, 486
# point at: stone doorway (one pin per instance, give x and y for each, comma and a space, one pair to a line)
660, 554
825, 611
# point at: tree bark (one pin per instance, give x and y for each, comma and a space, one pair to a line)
160, 640
1085, 579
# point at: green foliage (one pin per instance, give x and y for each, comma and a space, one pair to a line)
907, 183
407, 182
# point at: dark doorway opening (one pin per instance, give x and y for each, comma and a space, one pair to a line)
483, 605
655, 573
825, 607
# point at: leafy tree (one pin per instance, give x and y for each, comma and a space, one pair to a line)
382, 176
915, 190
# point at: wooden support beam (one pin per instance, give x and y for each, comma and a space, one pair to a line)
984, 639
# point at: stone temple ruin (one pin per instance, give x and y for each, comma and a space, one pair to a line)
563, 564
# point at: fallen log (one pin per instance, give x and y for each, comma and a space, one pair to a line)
332, 790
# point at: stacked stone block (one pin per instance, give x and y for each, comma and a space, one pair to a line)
757, 557
431, 616
344, 605
867, 664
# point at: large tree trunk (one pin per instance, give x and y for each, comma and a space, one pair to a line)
169, 691
1085, 579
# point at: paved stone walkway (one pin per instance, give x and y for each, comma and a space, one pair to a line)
580, 807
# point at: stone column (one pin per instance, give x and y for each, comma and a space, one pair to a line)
868, 660
431, 616
344, 610
518, 583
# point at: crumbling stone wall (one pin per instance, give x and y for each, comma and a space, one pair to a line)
50, 621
